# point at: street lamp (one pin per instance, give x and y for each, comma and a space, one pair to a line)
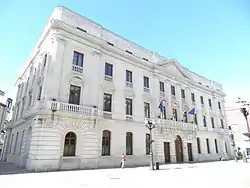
245, 113
150, 124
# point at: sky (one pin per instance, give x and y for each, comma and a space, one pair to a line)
211, 38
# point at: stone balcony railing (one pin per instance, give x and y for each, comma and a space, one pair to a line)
72, 108
178, 125
60, 107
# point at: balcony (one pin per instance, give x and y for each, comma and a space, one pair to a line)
72, 108
177, 125
129, 84
162, 94
77, 68
146, 89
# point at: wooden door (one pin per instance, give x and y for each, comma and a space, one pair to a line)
167, 152
190, 153
179, 150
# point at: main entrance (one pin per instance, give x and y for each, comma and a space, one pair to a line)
167, 152
179, 149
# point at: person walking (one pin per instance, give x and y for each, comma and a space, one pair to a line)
123, 159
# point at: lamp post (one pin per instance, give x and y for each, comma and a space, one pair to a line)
150, 124
245, 113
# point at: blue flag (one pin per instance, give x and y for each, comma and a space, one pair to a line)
161, 105
192, 112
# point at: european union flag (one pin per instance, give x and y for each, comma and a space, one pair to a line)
192, 112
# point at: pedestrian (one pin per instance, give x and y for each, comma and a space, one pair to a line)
123, 159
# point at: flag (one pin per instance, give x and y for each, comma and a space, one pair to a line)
2, 93
161, 105
192, 112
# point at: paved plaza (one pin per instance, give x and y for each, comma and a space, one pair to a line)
216, 174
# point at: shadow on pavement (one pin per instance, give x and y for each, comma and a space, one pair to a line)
8, 168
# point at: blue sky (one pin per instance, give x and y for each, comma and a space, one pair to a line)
211, 38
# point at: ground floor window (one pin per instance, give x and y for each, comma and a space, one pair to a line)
70, 144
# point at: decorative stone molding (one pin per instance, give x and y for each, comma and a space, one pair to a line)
79, 125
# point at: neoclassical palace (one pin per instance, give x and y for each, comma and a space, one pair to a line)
85, 92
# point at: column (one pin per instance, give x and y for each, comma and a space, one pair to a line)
53, 76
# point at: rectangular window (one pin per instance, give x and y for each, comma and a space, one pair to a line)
23, 104
129, 107
202, 101
146, 82
107, 102
164, 113
21, 143
182, 93
45, 60
219, 106
198, 145
208, 147
78, 59
74, 94
210, 103
108, 70
11, 142
222, 123
226, 147
146, 110
39, 93
15, 146
195, 119
204, 121
216, 146
162, 89
129, 77
30, 98
173, 90
192, 97
147, 144
212, 122
174, 111
129, 143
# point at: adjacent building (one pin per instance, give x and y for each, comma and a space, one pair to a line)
84, 95
5, 107
238, 125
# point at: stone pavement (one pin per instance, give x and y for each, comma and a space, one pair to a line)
228, 174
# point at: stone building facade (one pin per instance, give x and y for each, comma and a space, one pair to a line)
85, 92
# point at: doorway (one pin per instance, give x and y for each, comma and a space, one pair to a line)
190, 154
167, 152
179, 149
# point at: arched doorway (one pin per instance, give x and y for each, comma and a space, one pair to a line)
178, 149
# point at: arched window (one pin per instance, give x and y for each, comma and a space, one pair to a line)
70, 144
129, 143
106, 135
